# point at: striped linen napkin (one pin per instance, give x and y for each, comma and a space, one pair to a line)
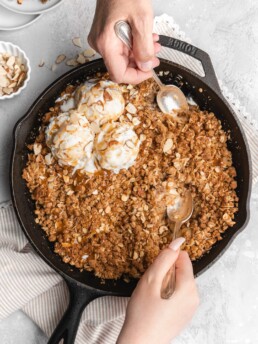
28, 283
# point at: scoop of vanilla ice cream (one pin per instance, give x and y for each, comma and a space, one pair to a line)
102, 103
116, 146
70, 139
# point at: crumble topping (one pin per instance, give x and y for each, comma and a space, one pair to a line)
114, 224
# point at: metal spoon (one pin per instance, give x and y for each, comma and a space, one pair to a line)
169, 98
178, 213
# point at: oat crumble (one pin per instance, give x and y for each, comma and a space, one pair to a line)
114, 224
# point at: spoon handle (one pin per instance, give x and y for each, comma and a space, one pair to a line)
124, 33
169, 281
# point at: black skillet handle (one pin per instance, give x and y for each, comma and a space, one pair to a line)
80, 297
210, 77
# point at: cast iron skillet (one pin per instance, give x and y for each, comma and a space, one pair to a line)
84, 286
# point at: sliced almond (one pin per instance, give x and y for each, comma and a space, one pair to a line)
136, 121
60, 58
107, 96
129, 144
13, 84
89, 52
72, 62
21, 78
168, 145
37, 147
10, 61
48, 159
4, 82
77, 42
129, 116
7, 90
95, 127
131, 108
16, 75
81, 59
2, 71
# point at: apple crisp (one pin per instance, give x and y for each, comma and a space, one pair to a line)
113, 222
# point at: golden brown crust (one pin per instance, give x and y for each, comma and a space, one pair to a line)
114, 224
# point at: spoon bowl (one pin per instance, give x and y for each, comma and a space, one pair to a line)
169, 98
178, 213
182, 210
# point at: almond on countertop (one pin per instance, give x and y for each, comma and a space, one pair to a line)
60, 58
77, 42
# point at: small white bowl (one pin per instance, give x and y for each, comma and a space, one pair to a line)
7, 47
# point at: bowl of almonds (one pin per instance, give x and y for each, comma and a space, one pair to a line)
14, 70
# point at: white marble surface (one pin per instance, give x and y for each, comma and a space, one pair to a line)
228, 31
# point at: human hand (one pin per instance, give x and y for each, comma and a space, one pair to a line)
150, 319
123, 65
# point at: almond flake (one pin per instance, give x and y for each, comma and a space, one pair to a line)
81, 59
13, 84
72, 62
48, 159
131, 108
89, 52
168, 145
2, 71
95, 127
136, 121
21, 78
60, 58
4, 81
77, 42
37, 147
129, 116
10, 61
7, 90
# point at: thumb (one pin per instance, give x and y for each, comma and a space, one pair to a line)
143, 45
164, 261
